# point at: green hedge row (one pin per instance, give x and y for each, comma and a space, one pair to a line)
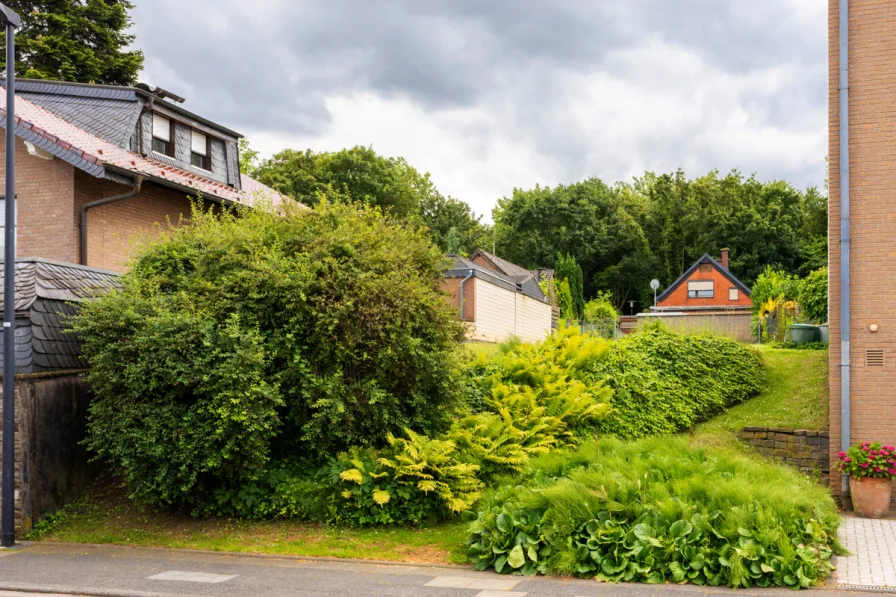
664, 382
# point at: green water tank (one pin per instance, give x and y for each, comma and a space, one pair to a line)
803, 333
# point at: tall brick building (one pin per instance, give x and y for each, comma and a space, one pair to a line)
864, 365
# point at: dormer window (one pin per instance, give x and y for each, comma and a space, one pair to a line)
162, 135
199, 153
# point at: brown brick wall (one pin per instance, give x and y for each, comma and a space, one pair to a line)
679, 296
45, 191
50, 195
452, 286
114, 228
872, 81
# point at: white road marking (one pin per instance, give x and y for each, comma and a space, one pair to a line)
206, 577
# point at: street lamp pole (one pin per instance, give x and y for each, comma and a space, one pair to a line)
7, 491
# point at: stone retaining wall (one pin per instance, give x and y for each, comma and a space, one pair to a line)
807, 450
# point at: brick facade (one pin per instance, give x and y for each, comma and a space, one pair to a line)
872, 88
50, 196
452, 287
679, 296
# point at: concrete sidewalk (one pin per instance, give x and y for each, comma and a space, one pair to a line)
146, 572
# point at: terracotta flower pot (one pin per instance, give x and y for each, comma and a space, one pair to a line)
870, 496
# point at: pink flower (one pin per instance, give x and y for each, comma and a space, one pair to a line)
892, 471
866, 443
866, 448
847, 459
864, 465
877, 469
842, 455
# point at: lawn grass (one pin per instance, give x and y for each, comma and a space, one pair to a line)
105, 515
795, 397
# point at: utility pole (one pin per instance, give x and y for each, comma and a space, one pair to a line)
7, 490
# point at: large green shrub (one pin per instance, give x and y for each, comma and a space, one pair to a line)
814, 295
657, 511
242, 337
665, 382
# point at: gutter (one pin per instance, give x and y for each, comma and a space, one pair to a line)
135, 190
469, 275
845, 320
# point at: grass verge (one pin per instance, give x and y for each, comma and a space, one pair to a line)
795, 397
104, 515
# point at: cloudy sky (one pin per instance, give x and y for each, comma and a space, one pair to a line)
488, 95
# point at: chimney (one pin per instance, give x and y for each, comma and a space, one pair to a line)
725, 258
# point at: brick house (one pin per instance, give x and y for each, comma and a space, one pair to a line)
497, 299
96, 165
862, 362
706, 297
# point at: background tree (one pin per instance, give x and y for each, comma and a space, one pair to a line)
569, 271
248, 158
361, 175
453, 225
357, 174
85, 41
657, 225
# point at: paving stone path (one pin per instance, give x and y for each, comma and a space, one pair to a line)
872, 545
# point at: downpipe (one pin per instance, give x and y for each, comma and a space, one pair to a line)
135, 190
845, 319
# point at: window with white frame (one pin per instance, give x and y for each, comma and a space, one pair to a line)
733, 294
199, 151
162, 138
701, 289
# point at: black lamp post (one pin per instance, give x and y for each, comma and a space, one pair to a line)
7, 491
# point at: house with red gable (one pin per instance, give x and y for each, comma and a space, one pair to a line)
706, 297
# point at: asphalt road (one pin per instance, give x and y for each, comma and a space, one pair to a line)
144, 572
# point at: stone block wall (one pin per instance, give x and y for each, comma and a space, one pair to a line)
804, 449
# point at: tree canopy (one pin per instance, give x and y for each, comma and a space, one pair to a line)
84, 41
658, 225
361, 175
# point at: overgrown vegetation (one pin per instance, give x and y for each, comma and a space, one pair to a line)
665, 382
656, 511
253, 337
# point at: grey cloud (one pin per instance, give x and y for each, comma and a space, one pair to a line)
276, 76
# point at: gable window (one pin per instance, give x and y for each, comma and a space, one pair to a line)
701, 289
199, 154
162, 139
733, 294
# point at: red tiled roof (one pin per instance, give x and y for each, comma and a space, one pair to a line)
102, 153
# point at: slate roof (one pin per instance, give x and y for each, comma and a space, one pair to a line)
462, 267
687, 274
512, 270
46, 279
45, 293
98, 156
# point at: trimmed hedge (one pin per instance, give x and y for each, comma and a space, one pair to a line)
664, 382
655, 511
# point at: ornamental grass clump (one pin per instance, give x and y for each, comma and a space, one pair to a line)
869, 459
658, 510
